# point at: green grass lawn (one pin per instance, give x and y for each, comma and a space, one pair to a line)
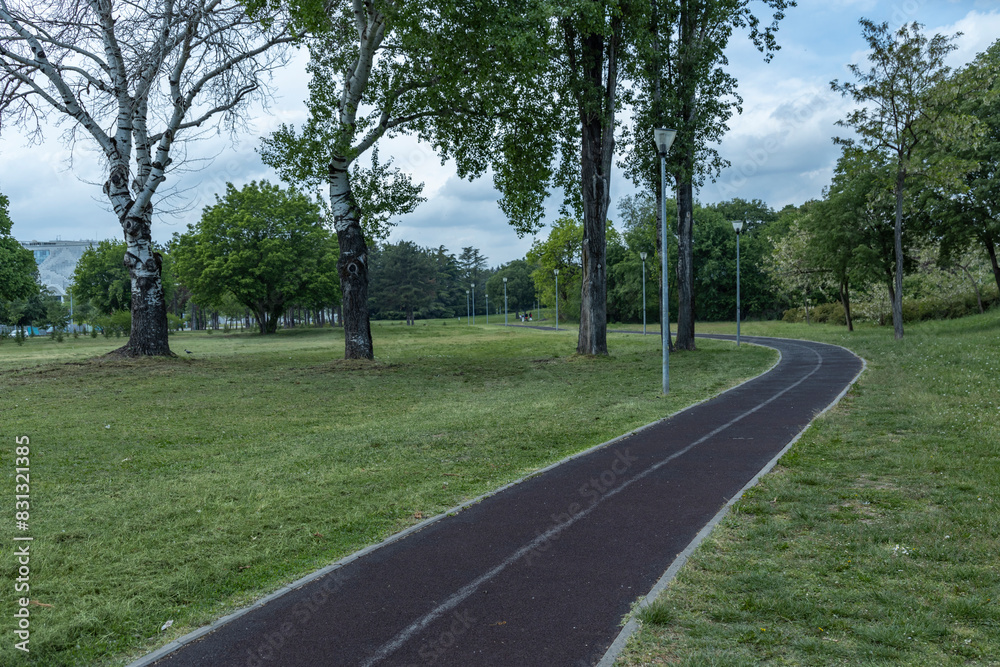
876, 540
181, 489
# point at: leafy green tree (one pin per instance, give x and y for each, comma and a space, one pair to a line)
323, 288
263, 244
18, 271
101, 279
640, 234
449, 293
560, 250
791, 265
34, 310
848, 225
441, 70
403, 279
906, 102
520, 286
715, 261
970, 213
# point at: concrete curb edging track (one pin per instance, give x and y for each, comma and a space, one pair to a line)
542, 571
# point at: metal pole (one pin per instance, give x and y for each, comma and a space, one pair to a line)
737, 289
473, 303
557, 301
505, 302
665, 326
467, 321
644, 296
487, 309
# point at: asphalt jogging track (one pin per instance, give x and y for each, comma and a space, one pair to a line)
541, 572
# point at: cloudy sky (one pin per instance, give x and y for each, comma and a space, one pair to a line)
780, 147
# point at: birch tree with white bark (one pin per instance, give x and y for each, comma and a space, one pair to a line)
453, 73
136, 79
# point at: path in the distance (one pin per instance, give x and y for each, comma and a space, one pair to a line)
542, 572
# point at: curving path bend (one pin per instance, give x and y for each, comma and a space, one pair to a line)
541, 572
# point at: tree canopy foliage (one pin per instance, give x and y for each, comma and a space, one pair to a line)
17, 263
101, 279
265, 245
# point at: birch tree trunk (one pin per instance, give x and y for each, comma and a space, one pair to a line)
148, 336
352, 266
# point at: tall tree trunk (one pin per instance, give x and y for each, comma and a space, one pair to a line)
148, 336
991, 248
845, 299
352, 266
975, 286
897, 299
597, 117
892, 292
685, 265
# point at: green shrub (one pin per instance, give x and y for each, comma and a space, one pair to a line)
794, 315
115, 324
830, 313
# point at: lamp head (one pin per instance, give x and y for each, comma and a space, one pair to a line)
555, 271
663, 139
737, 226
642, 255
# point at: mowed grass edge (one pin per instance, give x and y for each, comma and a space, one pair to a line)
875, 539
182, 489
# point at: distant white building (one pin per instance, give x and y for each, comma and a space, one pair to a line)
56, 262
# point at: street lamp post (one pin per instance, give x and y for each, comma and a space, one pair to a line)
643, 256
466, 306
505, 301
738, 227
487, 309
473, 303
663, 139
556, 272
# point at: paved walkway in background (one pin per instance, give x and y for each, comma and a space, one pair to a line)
542, 572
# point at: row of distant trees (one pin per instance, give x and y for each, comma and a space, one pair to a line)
263, 254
